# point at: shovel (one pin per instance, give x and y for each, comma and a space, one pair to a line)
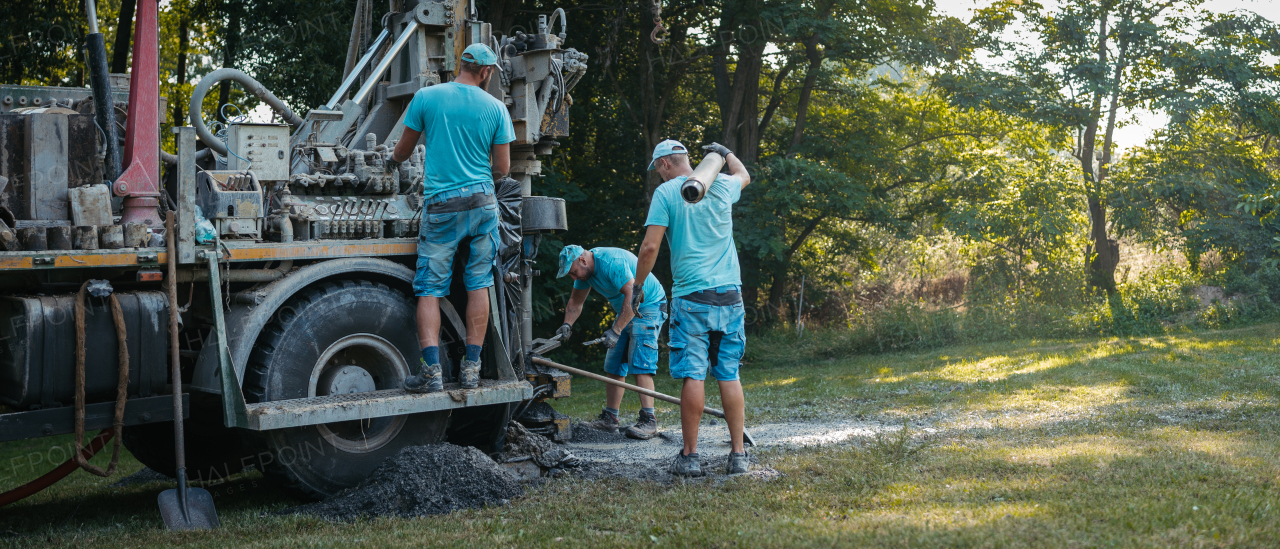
746, 437
182, 508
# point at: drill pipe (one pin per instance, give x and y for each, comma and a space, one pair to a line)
696, 185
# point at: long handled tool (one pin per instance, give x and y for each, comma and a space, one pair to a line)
182, 508
746, 437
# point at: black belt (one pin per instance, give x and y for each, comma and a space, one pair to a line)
462, 203
712, 297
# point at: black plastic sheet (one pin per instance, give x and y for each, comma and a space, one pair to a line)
507, 191
509, 203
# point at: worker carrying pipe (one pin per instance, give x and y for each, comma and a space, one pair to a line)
467, 134
707, 318
632, 339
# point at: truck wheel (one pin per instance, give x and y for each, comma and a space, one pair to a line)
214, 452
339, 337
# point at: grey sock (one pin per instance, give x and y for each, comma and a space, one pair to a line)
612, 412
648, 411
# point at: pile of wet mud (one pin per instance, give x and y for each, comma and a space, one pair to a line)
420, 481
522, 445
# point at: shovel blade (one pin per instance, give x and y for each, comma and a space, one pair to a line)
200, 514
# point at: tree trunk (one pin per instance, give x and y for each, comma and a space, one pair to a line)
124, 37
229, 55
739, 98
502, 15
814, 56
1102, 266
1106, 252
656, 91
777, 291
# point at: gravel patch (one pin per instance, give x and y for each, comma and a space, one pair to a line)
421, 481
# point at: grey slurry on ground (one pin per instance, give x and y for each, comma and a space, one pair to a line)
442, 478
609, 455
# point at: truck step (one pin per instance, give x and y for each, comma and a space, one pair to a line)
299, 412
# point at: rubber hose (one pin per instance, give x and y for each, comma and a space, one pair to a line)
59, 473
103, 103
251, 85
564, 23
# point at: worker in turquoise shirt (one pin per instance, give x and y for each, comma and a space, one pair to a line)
707, 331
632, 339
467, 135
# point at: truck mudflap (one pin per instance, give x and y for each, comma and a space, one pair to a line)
281, 414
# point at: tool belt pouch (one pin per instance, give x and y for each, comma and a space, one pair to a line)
711, 297
461, 204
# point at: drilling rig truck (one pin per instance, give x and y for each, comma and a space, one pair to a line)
289, 277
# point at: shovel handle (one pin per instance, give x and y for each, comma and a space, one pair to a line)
746, 437
623, 384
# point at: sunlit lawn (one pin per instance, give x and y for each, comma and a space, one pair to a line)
1162, 441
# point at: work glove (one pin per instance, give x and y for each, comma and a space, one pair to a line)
637, 297
392, 165
718, 149
610, 338
565, 331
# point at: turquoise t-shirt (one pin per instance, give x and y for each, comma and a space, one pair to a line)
459, 123
700, 235
614, 268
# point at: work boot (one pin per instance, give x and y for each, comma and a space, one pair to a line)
737, 464
685, 466
470, 375
645, 428
427, 380
606, 422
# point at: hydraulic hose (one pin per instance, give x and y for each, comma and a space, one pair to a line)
250, 85
67, 467
104, 104
564, 24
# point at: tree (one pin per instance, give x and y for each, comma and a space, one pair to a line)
41, 46
1088, 62
878, 154
1023, 215
1197, 187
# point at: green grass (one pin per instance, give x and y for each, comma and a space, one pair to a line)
1146, 441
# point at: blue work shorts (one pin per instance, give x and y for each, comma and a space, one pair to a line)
438, 239
637, 348
707, 337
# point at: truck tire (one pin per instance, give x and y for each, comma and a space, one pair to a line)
343, 336
214, 452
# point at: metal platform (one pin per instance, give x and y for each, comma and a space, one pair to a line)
282, 414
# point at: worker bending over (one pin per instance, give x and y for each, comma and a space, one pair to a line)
632, 340
467, 137
707, 327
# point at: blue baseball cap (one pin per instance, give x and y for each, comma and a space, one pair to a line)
480, 54
568, 255
668, 147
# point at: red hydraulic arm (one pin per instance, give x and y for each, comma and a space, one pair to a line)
140, 181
